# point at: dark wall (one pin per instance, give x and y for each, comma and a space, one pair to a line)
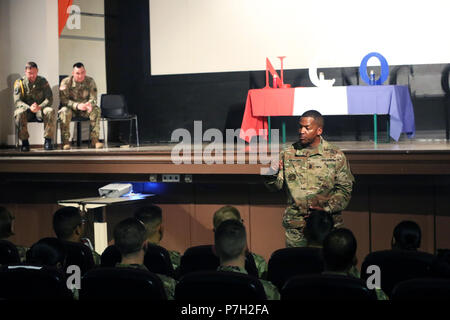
165, 103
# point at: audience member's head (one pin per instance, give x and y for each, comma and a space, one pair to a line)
230, 240
407, 236
6, 223
49, 252
318, 225
151, 217
130, 237
339, 250
68, 224
225, 213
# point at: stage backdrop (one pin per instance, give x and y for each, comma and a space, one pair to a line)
166, 102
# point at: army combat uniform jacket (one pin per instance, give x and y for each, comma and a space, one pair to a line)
270, 289
71, 94
318, 176
25, 94
168, 282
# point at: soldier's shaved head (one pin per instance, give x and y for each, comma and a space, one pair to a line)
226, 213
316, 115
31, 65
65, 221
151, 216
129, 236
310, 128
230, 240
79, 72
339, 249
78, 65
31, 71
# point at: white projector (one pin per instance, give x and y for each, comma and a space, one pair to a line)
115, 190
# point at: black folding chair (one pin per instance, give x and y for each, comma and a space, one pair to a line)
319, 287
121, 284
114, 108
219, 286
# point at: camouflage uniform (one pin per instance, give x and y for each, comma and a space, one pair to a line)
22, 253
25, 94
270, 289
261, 265
97, 258
168, 282
318, 176
175, 258
72, 93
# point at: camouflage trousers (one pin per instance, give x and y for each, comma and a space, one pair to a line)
66, 114
47, 115
295, 236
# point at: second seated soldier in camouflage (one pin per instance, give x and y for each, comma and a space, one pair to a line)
315, 175
69, 225
230, 241
7, 230
130, 237
33, 98
151, 217
230, 212
339, 255
78, 95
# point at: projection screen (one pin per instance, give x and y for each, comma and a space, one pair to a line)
197, 36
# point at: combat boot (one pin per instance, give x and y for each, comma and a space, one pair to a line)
48, 144
25, 146
66, 145
97, 144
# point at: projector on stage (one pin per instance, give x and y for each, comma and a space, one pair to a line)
115, 190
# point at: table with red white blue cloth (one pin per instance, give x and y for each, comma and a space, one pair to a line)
392, 100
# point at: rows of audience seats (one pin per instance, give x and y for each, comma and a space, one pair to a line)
298, 273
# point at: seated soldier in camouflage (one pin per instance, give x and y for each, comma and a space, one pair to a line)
48, 252
151, 217
130, 238
230, 212
78, 95
318, 226
406, 236
33, 98
230, 241
69, 226
7, 230
339, 253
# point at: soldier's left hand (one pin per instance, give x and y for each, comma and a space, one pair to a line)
35, 107
297, 223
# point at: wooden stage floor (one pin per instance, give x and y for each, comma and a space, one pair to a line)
366, 158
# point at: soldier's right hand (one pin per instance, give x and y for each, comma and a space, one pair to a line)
276, 165
81, 107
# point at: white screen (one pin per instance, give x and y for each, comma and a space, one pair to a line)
196, 36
